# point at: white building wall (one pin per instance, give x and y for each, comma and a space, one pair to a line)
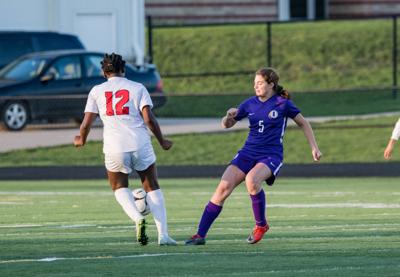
102, 25
24, 15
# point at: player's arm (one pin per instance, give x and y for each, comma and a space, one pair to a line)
84, 129
309, 134
151, 122
389, 149
395, 137
229, 119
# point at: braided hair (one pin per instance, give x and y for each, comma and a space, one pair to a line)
113, 64
271, 76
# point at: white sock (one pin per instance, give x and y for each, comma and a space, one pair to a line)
125, 198
155, 200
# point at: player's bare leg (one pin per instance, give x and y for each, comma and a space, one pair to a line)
155, 199
119, 184
231, 178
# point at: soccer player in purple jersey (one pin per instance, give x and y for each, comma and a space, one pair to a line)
260, 159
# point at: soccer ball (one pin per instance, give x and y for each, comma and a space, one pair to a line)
140, 201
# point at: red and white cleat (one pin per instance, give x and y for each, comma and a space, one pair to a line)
257, 234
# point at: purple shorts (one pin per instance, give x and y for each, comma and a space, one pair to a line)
245, 164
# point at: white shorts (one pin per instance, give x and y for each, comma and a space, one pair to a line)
126, 162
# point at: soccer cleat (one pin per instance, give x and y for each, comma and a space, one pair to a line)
196, 240
257, 234
166, 240
141, 232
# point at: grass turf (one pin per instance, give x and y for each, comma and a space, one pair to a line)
311, 104
341, 141
319, 227
310, 56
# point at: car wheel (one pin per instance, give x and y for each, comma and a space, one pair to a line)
15, 116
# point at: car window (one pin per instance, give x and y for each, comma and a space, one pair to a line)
66, 68
93, 66
23, 69
11, 48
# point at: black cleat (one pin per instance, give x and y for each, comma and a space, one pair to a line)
196, 240
141, 232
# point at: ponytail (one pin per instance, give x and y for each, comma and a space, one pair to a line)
282, 92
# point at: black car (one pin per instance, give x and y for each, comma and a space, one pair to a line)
54, 85
14, 44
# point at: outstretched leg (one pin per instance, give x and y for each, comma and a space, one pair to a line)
231, 178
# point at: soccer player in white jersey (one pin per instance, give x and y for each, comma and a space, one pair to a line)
125, 109
395, 137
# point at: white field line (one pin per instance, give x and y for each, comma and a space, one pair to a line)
355, 237
299, 271
288, 228
368, 215
332, 193
50, 193
27, 225
337, 205
286, 206
236, 195
141, 256
53, 259
100, 224
295, 193
73, 226
67, 225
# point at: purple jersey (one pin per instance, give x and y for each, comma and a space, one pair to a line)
267, 124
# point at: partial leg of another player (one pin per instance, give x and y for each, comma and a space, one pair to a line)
156, 202
119, 184
254, 180
231, 178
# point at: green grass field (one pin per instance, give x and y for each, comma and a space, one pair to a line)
319, 227
311, 104
341, 55
310, 56
340, 142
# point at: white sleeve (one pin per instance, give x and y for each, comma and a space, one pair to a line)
396, 131
145, 99
91, 105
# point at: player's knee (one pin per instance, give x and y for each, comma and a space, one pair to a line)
115, 186
224, 189
253, 186
150, 186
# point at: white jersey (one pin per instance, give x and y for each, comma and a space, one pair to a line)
396, 131
119, 103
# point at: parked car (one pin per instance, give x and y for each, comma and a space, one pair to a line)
54, 85
14, 44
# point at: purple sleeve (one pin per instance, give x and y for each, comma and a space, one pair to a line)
291, 109
242, 112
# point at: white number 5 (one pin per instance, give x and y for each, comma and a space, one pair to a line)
261, 124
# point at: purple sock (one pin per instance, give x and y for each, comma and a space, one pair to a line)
210, 213
258, 203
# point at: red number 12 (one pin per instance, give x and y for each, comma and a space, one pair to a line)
119, 106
